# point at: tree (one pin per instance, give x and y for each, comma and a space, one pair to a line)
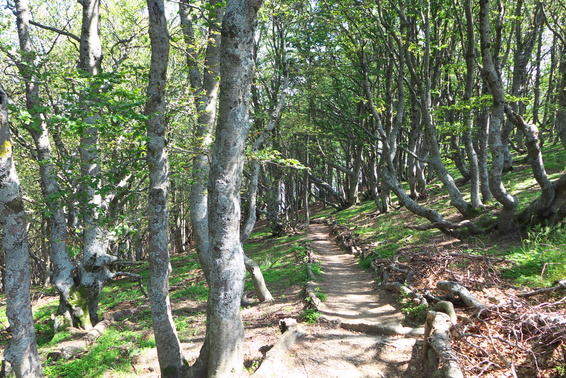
62, 275
169, 354
21, 352
222, 351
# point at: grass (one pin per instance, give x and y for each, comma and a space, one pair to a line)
541, 259
112, 353
310, 316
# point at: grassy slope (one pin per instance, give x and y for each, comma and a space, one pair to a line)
534, 259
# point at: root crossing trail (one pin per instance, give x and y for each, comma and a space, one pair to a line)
328, 350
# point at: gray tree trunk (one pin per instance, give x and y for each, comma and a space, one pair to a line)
205, 86
222, 351
456, 198
506, 221
468, 118
62, 275
94, 269
21, 353
482, 124
169, 354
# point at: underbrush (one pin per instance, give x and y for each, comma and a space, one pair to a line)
541, 260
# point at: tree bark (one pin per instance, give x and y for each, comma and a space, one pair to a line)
21, 352
169, 354
222, 351
206, 100
506, 221
62, 276
475, 177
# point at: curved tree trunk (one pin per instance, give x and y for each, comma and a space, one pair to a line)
506, 221
21, 352
169, 354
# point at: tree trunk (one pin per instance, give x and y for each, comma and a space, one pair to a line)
63, 268
21, 352
475, 180
506, 221
169, 354
206, 98
222, 351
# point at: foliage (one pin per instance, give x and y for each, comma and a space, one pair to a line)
540, 260
320, 294
310, 316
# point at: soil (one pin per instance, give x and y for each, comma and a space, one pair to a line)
326, 350
352, 297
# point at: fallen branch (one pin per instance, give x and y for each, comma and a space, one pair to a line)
560, 285
391, 329
456, 289
103, 325
310, 296
444, 225
437, 347
137, 277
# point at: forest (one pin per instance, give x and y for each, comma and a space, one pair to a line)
135, 131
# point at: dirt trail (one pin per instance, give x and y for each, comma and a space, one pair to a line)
352, 296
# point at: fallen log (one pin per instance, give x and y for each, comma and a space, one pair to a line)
101, 326
437, 353
559, 285
456, 289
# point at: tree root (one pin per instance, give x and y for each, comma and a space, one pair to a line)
292, 333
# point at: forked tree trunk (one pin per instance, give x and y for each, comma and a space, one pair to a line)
169, 354
21, 353
222, 351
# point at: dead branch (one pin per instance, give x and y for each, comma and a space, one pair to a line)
559, 285
444, 225
137, 277
437, 346
458, 290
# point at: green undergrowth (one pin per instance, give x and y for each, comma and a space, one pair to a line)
281, 259
112, 354
539, 260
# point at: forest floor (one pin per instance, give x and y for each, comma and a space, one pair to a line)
503, 342
326, 350
352, 297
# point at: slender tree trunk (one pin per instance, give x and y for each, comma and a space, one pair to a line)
63, 268
206, 99
561, 113
456, 198
169, 354
482, 126
94, 269
468, 118
506, 221
21, 352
